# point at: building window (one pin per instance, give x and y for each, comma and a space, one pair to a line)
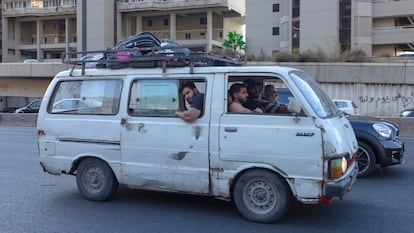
275, 31
203, 20
150, 23
188, 36
345, 24
295, 26
165, 22
276, 7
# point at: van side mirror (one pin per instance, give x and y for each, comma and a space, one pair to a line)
294, 106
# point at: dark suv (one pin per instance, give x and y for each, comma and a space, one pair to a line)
378, 141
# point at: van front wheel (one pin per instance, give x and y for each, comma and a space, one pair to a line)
95, 180
261, 196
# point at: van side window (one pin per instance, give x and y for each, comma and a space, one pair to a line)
153, 98
192, 99
257, 94
86, 97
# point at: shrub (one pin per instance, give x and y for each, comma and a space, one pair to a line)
283, 57
354, 56
311, 56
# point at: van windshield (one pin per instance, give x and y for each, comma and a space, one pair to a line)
316, 97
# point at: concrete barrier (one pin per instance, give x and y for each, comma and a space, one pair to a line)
406, 124
18, 119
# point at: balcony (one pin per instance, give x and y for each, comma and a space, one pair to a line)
49, 41
393, 35
392, 8
32, 11
229, 8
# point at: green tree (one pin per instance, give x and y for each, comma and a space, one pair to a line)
234, 41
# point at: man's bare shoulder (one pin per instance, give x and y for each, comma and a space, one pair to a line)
237, 107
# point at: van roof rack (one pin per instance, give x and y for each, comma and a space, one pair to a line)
147, 58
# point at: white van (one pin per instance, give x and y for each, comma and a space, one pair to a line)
118, 126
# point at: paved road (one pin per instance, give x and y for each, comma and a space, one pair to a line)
32, 201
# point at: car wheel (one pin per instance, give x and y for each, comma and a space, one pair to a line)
95, 180
366, 160
261, 196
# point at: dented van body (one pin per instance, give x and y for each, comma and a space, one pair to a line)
126, 133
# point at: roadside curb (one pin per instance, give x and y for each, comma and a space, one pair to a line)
18, 119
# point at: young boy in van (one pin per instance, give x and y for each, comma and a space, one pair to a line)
196, 100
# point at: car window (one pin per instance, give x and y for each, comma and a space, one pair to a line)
36, 104
320, 102
158, 97
153, 98
262, 94
340, 104
283, 95
95, 97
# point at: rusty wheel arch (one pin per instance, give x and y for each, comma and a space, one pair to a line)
76, 163
232, 182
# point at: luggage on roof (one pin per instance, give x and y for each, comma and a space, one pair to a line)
146, 50
140, 40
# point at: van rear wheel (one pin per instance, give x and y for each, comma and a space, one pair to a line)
95, 180
261, 196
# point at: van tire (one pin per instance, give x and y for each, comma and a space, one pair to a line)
262, 196
95, 180
366, 160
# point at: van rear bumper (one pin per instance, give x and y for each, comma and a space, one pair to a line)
338, 188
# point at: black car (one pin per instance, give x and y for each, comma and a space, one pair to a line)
409, 112
378, 140
32, 107
378, 143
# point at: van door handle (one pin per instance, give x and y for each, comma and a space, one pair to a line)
141, 127
230, 129
197, 131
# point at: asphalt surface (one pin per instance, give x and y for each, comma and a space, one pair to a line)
32, 201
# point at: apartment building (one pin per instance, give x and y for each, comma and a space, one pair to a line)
38, 29
378, 27
45, 29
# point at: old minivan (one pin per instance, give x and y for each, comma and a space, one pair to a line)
125, 132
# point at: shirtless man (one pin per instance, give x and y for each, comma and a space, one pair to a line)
239, 95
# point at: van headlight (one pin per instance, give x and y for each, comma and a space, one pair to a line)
337, 167
383, 130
